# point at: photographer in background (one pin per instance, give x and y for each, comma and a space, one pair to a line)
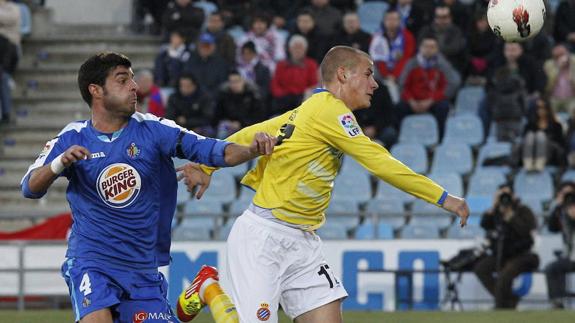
509, 225
562, 220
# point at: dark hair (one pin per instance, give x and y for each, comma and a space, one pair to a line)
188, 76
95, 70
250, 46
234, 71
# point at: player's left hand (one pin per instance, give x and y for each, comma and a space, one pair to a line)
263, 144
457, 205
194, 178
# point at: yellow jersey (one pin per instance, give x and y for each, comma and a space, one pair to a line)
296, 181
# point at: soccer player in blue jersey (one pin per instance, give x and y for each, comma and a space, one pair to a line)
122, 193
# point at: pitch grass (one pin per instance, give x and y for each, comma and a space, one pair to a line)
62, 316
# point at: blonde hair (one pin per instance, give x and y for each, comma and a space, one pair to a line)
339, 56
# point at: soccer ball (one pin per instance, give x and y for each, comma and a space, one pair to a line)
516, 20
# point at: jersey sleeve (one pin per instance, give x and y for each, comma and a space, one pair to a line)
336, 125
52, 149
246, 135
176, 141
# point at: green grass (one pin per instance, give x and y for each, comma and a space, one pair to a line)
349, 317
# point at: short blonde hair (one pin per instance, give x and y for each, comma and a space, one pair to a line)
339, 56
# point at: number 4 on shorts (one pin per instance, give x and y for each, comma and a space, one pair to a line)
85, 286
323, 270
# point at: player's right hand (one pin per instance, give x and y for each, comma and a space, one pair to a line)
74, 154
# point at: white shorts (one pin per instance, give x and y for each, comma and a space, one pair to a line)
271, 264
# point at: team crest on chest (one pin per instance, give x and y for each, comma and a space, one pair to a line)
133, 151
119, 185
349, 124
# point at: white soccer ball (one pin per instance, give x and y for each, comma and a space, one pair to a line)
516, 20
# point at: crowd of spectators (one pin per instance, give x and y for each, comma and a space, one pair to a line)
424, 52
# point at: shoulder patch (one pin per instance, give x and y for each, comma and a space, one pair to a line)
349, 125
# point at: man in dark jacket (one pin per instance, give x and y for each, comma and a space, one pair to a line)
509, 225
182, 15
209, 68
238, 105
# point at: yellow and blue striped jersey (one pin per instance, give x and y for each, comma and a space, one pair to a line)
296, 181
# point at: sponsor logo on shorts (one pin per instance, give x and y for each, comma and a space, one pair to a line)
264, 312
86, 302
118, 185
133, 151
142, 316
349, 124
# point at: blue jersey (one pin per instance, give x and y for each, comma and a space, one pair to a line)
123, 198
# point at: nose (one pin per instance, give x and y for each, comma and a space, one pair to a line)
135, 86
374, 84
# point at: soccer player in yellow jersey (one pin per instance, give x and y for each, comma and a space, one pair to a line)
273, 254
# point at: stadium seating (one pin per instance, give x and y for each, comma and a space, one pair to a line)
390, 211
371, 15
387, 192
419, 128
355, 189
496, 154
468, 232
343, 212
190, 234
183, 194
222, 187
411, 154
484, 182
465, 128
478, 203
569, 175
424, 213
420, 232
452, 157
533, 186
452, 182
468, 100
332, 230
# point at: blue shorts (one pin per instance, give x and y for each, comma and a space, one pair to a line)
131, 296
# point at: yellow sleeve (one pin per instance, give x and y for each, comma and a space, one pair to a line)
336, 125
246, 135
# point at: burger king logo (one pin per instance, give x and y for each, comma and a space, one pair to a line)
119, 185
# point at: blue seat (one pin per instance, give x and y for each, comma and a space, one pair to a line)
452, 157
568, 176
389, 207
351, 168
237, 207
468, 100
387, 192
495, 151
207, 6
190, 234
452, 182
484, 182
237, 171
466, 128
533, 186
246, 193
384, 231
222, 187
371, 15
411, 154
467, 232
355, 189
420, 232
431, 215
343, 212
419, 128
478, 204
224, 231
183, 195
165, 93
203, 208
332, 231
366, 231
179, 162
25, 19
536, 206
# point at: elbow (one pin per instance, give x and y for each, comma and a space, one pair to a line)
27, 192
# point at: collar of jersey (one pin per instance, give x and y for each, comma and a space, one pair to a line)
106, 137
319, 90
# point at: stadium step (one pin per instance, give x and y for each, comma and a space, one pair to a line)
11, 181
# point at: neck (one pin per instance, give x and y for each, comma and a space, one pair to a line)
108, 123
338, 92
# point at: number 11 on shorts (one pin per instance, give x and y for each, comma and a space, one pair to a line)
324, 270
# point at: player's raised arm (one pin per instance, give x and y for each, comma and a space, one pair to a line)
262, 144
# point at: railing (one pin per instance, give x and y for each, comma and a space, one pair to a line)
21, 269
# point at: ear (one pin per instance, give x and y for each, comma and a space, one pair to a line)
341, 75
95, 90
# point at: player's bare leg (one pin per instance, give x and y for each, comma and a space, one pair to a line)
100, 316
330, 312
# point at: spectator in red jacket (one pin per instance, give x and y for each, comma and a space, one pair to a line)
391, 48
293, 76
427, 83
149, 95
